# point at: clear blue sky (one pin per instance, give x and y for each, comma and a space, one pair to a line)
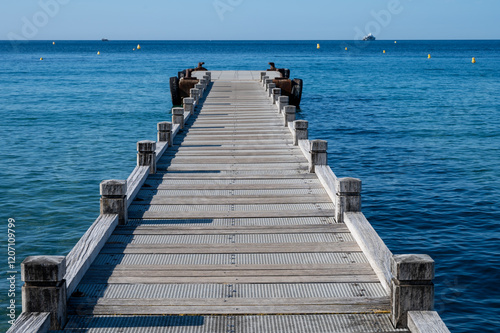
249, 19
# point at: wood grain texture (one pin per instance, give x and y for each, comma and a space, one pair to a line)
373, 247
33, 322
86, 250
426, 322
135, 181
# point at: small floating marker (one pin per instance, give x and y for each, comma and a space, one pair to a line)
133, 49
346, 48
98, 52
138, 47
318, 46
384, 51
53, 43
429, 56
474, 60
395, 42
41, 58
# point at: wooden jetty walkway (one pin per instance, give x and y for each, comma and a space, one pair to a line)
231, 222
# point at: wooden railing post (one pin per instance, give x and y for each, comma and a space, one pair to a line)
209, 74
200, 88
300, 131
44, 287
264, 80
267, 82
165, 132
276, 94
146, 155
412, 287
262, 74
178, 117
289, 115
114, 199
318, 153
207, 79
270, 88
189, 105
282, 102
348, 193
194, 94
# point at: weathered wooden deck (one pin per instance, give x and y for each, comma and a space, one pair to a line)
234, 233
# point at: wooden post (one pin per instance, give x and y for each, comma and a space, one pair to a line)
194, 93
146, 155
282, 102
270, 88
178, 117
209, 74
200, 88
203, 82
165, 132
189, 105
264, 80
267, 82
412, 287
300, 131
318, 154
262, 74
276, 93
289, 115
44, 287
114, 199
348, 192
207, 79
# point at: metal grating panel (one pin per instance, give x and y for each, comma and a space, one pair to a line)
188, 192
228, 208
235, 222
332, 323
228, 259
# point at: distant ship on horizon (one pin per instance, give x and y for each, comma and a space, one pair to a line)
369, 37
105, 40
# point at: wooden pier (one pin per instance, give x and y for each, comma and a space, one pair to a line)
232, 221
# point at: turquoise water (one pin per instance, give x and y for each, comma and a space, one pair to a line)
423, 135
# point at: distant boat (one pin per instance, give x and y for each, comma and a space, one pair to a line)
369, 37
105, 40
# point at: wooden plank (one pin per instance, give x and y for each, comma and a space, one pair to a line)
223, 200
328, 180
360, 268
184, 230
161, 148
230, 214
231, 248
233, 167
426, 322
305, 147
32, 322
135, 181
142, 308
86, 250
373, 247
313, 277
164, 185
231, 175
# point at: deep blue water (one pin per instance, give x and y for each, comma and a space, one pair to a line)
423, 135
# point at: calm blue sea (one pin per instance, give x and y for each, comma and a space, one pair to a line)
423, 135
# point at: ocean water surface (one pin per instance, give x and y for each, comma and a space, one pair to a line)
422, 134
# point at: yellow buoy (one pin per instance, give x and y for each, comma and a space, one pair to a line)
41, 58
429, 56
473, 60
98, 52
384, 51
346, 48
395, 42
133, 49
53, 43
318, 46
138, 47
